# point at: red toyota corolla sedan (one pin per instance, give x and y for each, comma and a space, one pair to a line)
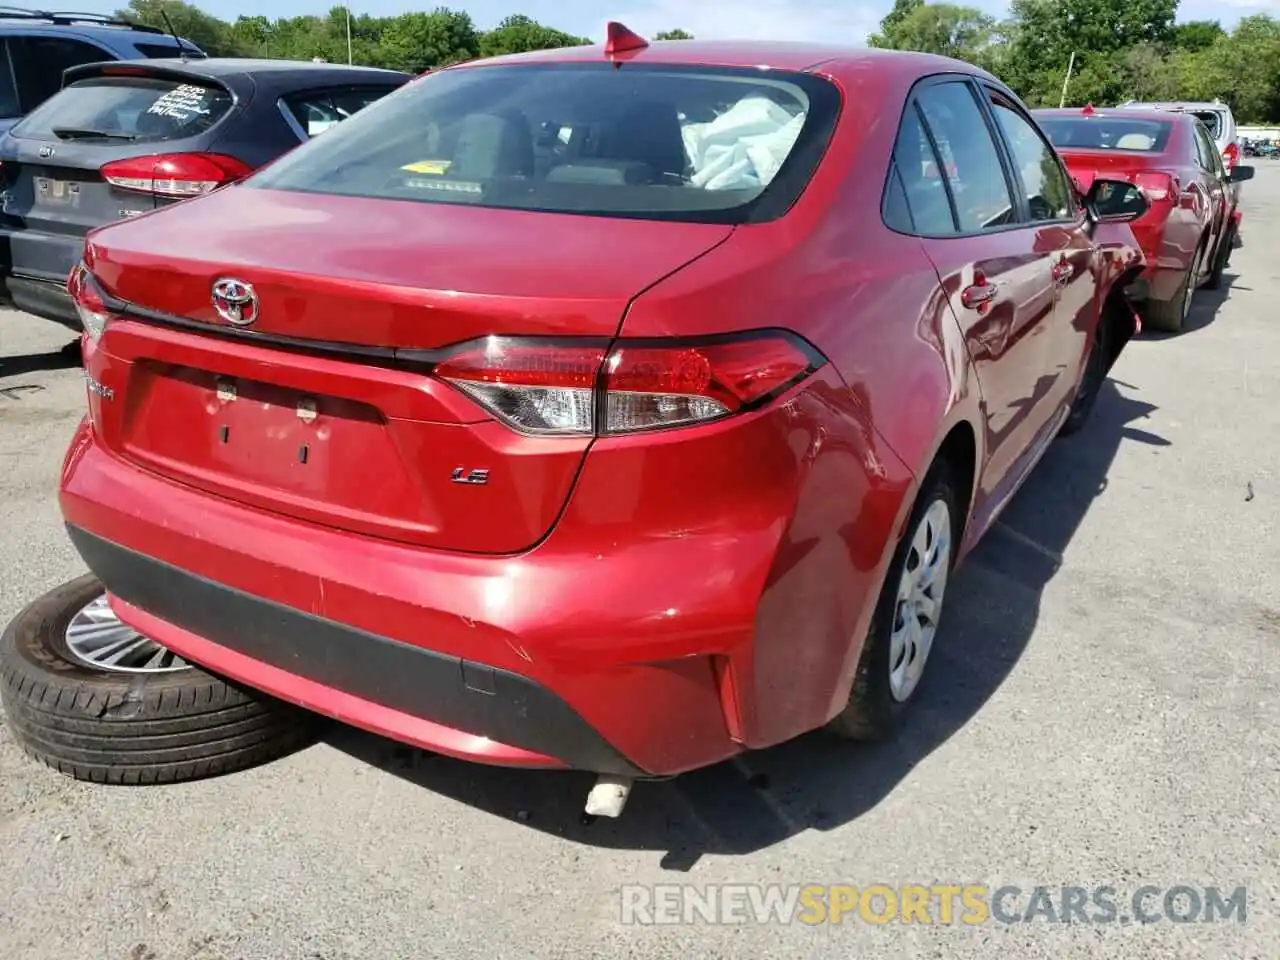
616, 408
1193, 217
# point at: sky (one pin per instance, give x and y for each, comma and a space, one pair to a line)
828, 20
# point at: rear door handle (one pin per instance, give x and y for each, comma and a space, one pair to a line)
977, 294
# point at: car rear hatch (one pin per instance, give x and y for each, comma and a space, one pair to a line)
113, 144
321, 408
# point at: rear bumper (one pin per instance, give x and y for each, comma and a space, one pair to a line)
509, 719
695, 599
47, 299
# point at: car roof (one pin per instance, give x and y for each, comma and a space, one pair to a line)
219, 67
775, 54
271, 77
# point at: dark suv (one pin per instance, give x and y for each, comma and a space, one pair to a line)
36, 46
123, 138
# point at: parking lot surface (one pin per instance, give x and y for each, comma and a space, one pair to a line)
1101, 710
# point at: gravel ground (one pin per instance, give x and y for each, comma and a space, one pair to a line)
1103, 711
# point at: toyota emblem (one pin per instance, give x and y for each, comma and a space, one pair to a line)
235, 301
46, 152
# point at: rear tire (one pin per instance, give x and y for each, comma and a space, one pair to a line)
1091, 380
877, 702
1221, 258
106, 726
1170, 316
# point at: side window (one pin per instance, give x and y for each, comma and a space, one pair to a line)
38, 63
1046, 185
1204, 154
897, 215
920, 177
315, 111
1211, 160
970, 160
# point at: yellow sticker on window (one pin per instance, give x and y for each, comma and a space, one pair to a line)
428, 166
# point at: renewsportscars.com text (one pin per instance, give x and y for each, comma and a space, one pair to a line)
970, 904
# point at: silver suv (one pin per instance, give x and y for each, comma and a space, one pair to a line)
1216, 117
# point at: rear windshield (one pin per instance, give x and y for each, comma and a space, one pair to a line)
1212, 120
654, 142
112, 109
1128, 134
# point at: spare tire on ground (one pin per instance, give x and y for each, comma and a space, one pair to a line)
92, 698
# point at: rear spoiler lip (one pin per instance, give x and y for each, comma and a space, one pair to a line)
141, 68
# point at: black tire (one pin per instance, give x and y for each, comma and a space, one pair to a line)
112, 727
1091, 381
1221, 257
872, 712
1170, 316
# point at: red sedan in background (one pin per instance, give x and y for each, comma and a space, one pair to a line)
616, 408
1192, 219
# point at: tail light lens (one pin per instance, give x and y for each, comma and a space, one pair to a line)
1158, 186
566, 387
177, 175
89, 302
1230, 157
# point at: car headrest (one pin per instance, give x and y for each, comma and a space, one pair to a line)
1135, 141
648, 131
493, 145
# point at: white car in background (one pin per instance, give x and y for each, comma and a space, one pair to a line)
1216, 117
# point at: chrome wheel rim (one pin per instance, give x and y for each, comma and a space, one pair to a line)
919, 603
97, 638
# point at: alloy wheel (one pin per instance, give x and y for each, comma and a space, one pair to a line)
99, 639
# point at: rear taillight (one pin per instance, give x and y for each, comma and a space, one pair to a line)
584, 387
177, 175
90, 304
1158, 186
1230, 157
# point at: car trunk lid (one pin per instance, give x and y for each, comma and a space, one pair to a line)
312, 410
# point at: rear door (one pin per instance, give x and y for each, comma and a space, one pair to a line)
996, 270
1061, 233
55, 188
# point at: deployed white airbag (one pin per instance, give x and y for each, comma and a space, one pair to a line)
743, 147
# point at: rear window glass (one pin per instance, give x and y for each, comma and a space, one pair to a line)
316, 111
160, 51
1212, 120
1129, 134
143, 109
653, 142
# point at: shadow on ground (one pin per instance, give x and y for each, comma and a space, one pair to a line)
1204, 308
817, 782
65, 359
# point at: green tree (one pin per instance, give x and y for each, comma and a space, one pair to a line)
676, 34
941, 28
418, 41
210, 34
1197, 34
519, 34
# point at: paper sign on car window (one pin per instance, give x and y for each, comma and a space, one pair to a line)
181, 103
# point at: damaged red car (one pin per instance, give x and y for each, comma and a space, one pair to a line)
619, 408
1192, 216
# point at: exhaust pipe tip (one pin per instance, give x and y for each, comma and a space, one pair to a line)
609, 795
